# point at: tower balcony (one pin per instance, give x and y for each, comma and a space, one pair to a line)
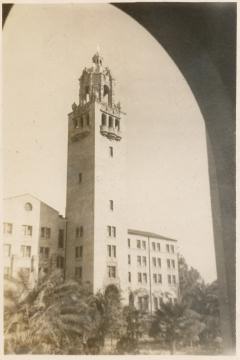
112, 133
79, 133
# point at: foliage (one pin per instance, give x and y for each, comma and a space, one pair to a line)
174, 323
51, 318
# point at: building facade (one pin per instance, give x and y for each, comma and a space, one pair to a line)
34, 237
93, 244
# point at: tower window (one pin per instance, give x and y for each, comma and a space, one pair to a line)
160, 278
159, 262
104, 119
78, 272
144, 277
129, 259
7, 250
169, 279
172, 248
174, 279
144, 261
129, 243
168, 263
173, 264
111, 151
117, 124
111, 250
81, 122
153, 246
79, 231
111, 204
60, 262
88, 119
79, 178
139, 260
155, 278
129, 277
158, 247
111, 271
144, 244
110, 122
111, 231
75, 123
168, 248
78, 251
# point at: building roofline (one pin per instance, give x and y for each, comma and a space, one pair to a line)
35, 197
149, 234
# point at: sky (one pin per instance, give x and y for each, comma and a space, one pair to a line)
45, 48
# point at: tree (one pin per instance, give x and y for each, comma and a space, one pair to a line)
111, 317
174, 323
53, 317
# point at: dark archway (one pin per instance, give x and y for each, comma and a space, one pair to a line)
201, 39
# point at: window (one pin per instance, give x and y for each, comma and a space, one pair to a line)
78, 272
78, 251
111, 231
155, 303
139, 260
173, 264
143, 303
129, 259
111, 151
129, 243
111, 250
111, 204
88, 119
111, 271
160, 278
81, 122
168, 248
28, 206
117, 124
7, 228
153, 246
7, 250
25, 251
154, 261
138, 244
174, 279
159, 262
161, 301
45, 232
7, 272
144, 261
104, 120
144, 245
129, 277
144, 277
110, 123
48, 233
27, 230
172, 248
158, 247
168, 263
60, 262
75, 123
155, 278
169, 279
24, 271
79, 178
44, 252
79, 231
139, 277
60, 238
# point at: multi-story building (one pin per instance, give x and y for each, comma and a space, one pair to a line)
34, 237
93, 243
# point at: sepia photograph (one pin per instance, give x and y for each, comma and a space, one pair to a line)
119, 181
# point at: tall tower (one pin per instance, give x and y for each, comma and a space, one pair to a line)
97, 233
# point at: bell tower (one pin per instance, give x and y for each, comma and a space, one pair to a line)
97, 232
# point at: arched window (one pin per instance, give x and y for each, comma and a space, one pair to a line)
81, 121
88, 119
110, 121
117, 124
106, 93
28, 206
104, 119
75, 123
